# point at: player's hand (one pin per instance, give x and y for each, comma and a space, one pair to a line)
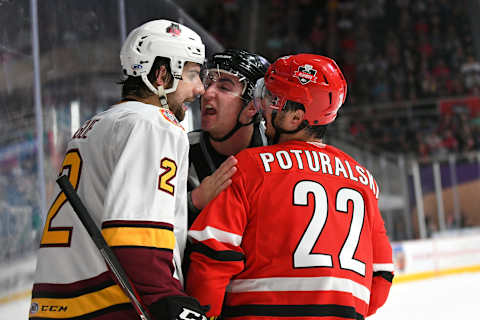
212, 185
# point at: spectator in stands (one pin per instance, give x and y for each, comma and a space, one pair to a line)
380, 90
376, 132
455, 86
446, 123
357, 128
429, 83
449, 141
434, 144
466, 142
471, 72
476, 133
441, 71
422, 151
318, 35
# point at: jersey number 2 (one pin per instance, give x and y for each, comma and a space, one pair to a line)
61, 236
170, 171
303, 256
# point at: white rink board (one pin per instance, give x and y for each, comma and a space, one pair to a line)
459, 253
443, 298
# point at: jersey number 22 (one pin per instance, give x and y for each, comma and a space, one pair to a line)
303, 256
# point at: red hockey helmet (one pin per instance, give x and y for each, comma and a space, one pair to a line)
312, 80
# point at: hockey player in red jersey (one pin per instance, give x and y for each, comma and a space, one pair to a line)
298, 233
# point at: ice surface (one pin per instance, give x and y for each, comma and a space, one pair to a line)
442, 298
15, 310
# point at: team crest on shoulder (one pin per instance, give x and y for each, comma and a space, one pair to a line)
170, 117
305, 74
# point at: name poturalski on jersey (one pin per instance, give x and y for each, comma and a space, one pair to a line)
318, 161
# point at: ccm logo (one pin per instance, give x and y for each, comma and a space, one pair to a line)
54, 308
188, 314
46, 308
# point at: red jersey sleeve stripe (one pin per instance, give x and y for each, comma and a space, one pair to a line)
383, 267
384, 274
217, 234
224, 255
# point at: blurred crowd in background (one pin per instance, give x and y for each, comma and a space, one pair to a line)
393, 54
389, 50
20, 218
428, 138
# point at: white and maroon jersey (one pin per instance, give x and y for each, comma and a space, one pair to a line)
129, 166
297, 234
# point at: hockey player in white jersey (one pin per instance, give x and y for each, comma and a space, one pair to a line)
129, 166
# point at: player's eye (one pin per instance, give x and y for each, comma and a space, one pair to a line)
193, 75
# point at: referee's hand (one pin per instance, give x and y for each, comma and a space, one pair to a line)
212, 185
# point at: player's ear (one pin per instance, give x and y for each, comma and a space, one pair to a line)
250, 109
162, 76
295, 118
248, 113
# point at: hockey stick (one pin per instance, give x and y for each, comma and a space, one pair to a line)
105, 250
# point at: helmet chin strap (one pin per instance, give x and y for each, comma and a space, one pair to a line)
237, 126
159, 91
228, 135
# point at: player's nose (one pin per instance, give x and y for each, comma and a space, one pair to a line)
199, 89
209, 92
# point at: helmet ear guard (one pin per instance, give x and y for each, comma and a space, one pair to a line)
160, 38
312, 80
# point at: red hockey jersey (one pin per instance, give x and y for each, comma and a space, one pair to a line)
297, 234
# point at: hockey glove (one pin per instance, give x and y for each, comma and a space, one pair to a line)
178, 308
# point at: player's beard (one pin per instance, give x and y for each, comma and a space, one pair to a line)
179, 113
270, 129
274, 135
177, 110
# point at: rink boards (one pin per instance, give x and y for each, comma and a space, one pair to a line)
445, 255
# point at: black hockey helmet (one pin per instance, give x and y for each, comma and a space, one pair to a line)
248, 67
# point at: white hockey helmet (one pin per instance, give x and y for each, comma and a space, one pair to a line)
160, 38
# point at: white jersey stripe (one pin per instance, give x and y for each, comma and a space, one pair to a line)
383, 267
217, 234
300, 284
